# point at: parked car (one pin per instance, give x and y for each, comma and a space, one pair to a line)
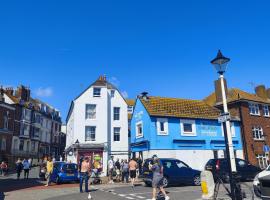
64, 172
261, 184
220, 167
175, 172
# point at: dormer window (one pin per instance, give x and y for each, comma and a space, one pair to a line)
254, 109
96, 92
130, 109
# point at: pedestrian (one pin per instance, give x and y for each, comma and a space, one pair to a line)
140, 166
111, 169
84, 174
49, 170
19, 168
26, 168
118, 169
157, 181
132, 170
30, 162
4, 168
125, 169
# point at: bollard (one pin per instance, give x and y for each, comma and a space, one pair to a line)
207, 185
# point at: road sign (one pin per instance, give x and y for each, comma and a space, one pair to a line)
224, 117
266, 148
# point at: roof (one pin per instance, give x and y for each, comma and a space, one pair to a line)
180, 108
235, 94
130, 102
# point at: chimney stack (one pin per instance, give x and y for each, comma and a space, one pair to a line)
218, 90
145, 96
10, 91
268, 93
102, 78
23, 93
2, 98
261, 91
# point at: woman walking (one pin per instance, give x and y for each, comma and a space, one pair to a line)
157, 170
19, 168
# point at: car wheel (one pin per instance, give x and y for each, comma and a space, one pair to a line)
165, 182
57, 180
148, 184
197, 180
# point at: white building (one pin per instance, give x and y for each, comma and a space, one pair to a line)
97, 124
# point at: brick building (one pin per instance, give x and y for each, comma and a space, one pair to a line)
35, 126
253, 110
7, 114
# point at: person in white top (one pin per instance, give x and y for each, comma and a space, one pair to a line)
111, 169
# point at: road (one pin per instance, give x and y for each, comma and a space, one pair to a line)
33, 189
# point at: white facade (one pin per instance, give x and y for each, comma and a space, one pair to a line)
194, 158
101, 122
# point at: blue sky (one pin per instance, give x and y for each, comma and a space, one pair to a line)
164, 47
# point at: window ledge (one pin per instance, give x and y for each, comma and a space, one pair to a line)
163, 133
189, 134
259, 140
141, 136
254, 114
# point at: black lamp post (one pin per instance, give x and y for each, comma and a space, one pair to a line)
220, 63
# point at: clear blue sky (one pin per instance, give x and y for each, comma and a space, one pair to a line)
164, 47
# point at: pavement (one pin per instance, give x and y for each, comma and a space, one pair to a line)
33, 189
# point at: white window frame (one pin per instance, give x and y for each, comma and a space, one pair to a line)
96, 95
256, 108
94, 113
115, 132
188, 121
3, 144
259, 129
166, 128
266, 110
137, 130
130, 109
91, 140
262, 160
116, 114
232, 129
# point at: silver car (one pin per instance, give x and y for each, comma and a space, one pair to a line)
261, 184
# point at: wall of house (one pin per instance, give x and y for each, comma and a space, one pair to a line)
101, 116
119, 148
254, 147
194, 150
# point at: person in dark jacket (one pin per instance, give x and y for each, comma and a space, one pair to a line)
19, 168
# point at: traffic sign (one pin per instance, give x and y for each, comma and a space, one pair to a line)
224, 117
266, 148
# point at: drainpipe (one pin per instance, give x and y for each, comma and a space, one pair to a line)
243, 133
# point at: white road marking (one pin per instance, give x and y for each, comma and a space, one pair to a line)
129, 197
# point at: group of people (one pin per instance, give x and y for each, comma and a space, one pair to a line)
23, 165
3, 168
122, 171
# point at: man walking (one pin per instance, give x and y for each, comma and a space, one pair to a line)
132, 170
26, 168
49, 167
84, 174
19, 168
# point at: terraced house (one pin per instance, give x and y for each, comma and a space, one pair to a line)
253, 110
180, 128
33, 127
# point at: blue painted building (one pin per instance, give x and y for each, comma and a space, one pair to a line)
179, 128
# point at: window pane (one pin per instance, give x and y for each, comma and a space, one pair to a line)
162, 126
90, 111
116, 113
187, 127
96, 92
90, 133
116, 134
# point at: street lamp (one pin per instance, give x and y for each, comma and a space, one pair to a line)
220, 63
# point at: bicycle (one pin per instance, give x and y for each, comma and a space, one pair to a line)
246, 191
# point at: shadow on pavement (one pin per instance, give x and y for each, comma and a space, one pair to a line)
9, 185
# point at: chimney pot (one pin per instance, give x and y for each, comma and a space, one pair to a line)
261, 91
